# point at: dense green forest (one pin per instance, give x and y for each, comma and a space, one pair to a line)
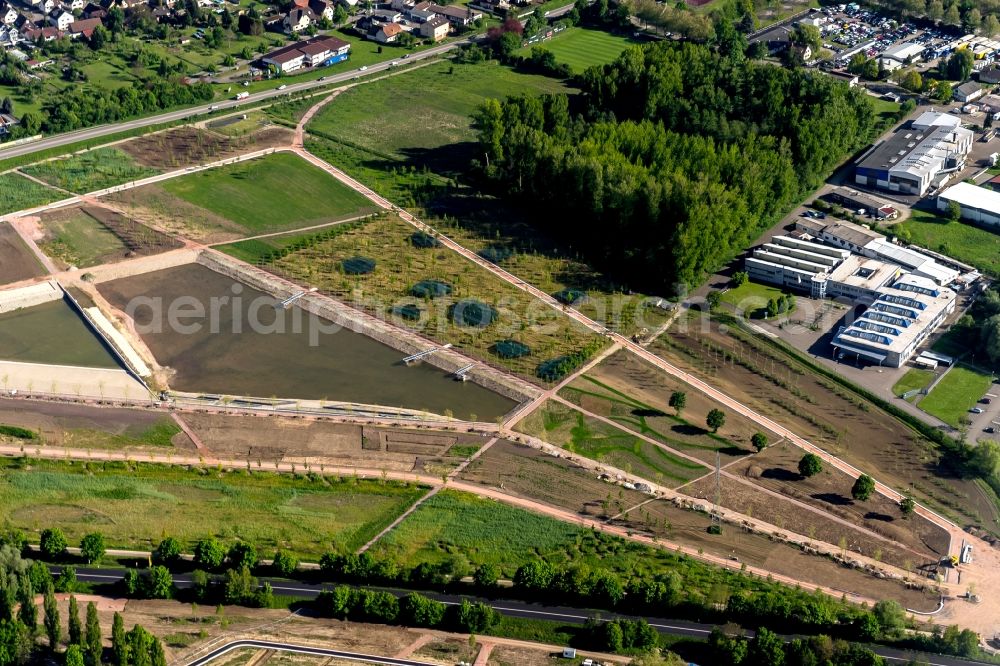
674, 157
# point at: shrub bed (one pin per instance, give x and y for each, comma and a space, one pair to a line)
470, 312
511, 349
430, 289
358, 265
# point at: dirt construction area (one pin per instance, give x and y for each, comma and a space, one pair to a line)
269, 438
84, 426
16, 260
778, 386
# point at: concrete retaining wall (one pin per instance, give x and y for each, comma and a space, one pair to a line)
359, 322
118, 341
26, 297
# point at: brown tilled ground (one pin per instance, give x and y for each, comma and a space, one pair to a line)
188, 146
526, 472
274, 438
663, 519
16, 260
786, 515
825, 414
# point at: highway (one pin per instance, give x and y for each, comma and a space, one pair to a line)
231, 104
510, 608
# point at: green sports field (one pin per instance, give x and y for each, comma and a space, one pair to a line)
956, 394
581, 48
273, 193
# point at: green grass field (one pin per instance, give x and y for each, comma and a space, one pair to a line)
90, 171
581, 48
18, 193
453, 524
972, 245
564, 426
136, 507
751, 298
79, 240
421, 110
915, 378
956, 394
277, 192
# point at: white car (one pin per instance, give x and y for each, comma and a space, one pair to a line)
363, 68
282, 86
976, 410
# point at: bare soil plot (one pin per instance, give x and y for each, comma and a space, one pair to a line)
663, 519
786, 515
636, 394
526, 472
567, 427
84, 426
780, 387
276, 438
17, 262
188, 146
447, 651
830, 490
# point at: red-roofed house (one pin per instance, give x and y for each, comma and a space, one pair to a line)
84, 28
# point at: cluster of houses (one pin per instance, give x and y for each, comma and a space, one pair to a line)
424, 19
73, 18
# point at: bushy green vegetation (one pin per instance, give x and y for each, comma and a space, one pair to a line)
18, 193
273, 193
956, 394
135, 505
17, 432
477, 531
687, 180
91, 170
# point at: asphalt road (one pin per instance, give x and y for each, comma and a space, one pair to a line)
509, 608
303, 649
231, 104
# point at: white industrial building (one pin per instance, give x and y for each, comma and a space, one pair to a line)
862, 240
978, 204
905, 53
921, 154
901, 317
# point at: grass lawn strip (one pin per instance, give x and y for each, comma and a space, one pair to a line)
573, 430
444, 96
18, 193
966, 243
136, 506
956, 394
751, 298
274, 193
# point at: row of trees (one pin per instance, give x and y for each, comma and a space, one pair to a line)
20, 579
677, 157
982, 16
